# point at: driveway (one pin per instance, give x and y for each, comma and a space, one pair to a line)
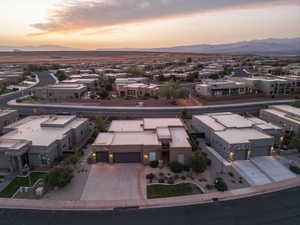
113, 182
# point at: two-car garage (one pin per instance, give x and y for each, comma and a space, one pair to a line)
119, 157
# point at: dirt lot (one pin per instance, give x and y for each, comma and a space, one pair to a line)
91, 57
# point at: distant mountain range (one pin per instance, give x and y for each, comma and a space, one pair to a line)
29, 48
271, 46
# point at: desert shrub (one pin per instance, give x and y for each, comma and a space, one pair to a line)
59, 177
220, 184
153, 164
150, 177
176, 167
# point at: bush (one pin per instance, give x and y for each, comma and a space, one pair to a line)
295, 169
199, 163
72, 160
161, 180
183, 177
170, 180
220, 184
150, 177
231, 174
186, 168
59, 177
153, 164
176, 167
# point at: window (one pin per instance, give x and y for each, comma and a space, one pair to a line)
152, 156
180, 158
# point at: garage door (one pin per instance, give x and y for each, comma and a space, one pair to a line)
127, 157
101, 156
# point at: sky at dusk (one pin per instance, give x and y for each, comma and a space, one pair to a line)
90, 24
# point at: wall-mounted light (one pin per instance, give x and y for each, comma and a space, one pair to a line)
111, 155
146, 156
94, 154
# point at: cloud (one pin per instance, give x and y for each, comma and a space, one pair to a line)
79, 15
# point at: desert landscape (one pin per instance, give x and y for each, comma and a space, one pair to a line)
92, 57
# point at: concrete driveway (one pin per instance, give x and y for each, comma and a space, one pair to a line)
113, 182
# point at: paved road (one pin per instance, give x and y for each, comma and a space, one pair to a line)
279, 208
46, 78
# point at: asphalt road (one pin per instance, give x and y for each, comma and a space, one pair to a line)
46, 78
278, 208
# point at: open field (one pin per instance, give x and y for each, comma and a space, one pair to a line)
91, 57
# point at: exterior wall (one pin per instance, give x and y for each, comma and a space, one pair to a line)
136, 91
186, 152
80, 133
4, 161
260, 152
58, 94
8, 119
286, 125
43, 156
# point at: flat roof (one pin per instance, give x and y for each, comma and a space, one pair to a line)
30, 129
12, 144
283, 115
179, 138
238, 136
126, 126
127, 138
153, 123
288, 109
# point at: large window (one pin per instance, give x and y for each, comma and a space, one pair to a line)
152, 156
180, 158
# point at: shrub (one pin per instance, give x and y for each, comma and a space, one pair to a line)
199, 163
231, 174
59, 177
295, 169
176, 177
183, 177
170, 180
153, 164
161, 180
186, 168
220, 184
176, 167
150, 177
72, 160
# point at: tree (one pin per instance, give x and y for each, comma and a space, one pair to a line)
220, 184
295, 143
100, 124
189, 60
184, 113
61, 75
173, 91
199, 163
176, 167
59, 177
135, 71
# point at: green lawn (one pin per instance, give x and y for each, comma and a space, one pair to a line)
165, 191
9, 191
296, 104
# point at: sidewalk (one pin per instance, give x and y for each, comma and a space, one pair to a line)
152, 203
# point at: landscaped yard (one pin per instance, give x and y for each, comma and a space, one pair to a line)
165, 191
9, 191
